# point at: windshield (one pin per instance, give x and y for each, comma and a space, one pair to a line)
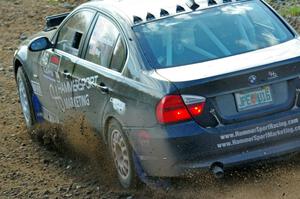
211, 34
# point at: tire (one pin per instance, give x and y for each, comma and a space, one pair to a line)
121, 154
25, 96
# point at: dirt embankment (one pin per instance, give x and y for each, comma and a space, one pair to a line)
79, 168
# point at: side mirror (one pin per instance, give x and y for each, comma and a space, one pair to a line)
40, 44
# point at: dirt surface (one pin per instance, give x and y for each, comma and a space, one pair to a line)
78, 167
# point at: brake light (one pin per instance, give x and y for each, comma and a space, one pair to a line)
176, 108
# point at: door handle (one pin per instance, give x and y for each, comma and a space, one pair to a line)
104, 89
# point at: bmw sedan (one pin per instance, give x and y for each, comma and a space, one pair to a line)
171, 86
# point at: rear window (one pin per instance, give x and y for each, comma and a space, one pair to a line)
211, 34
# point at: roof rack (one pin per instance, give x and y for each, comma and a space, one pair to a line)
137, 19
192, 4
150, 17
164, 13
179, 9
213, 2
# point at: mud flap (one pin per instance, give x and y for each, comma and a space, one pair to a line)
37, 107
149, 181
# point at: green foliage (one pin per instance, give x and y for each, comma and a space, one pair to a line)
54, 2
288, 8
291, 11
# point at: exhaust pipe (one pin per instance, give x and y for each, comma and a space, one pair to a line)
217, 171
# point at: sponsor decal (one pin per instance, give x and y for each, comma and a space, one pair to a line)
252, 79
55, 60
61, 93
65, 93
260, 133
272, 75
50, 65
47, 115
118, 105
36, 87
44, 58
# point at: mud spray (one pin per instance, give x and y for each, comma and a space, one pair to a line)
77, 141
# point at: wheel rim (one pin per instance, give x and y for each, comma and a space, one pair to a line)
24, 102
120, 154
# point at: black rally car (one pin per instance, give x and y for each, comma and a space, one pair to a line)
172, 86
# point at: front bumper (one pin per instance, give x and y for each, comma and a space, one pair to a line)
168, 151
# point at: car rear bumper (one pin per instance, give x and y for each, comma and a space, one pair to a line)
182, 148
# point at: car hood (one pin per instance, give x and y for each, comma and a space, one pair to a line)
277, 53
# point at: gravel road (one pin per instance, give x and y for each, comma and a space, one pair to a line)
75, 166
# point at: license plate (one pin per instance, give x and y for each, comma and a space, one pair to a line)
253, 98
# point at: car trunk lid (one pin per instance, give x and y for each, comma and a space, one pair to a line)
242, 87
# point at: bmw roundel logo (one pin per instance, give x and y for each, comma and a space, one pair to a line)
252, 79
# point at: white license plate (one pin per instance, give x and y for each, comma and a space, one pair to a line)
254, 98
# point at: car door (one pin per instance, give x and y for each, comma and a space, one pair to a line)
57, 65
97, 72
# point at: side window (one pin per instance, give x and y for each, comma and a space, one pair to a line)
119, 56
106, 47
72, 33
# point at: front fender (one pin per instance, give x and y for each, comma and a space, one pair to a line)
29, 61
20, 58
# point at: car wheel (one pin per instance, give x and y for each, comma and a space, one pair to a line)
121, 154
25, 95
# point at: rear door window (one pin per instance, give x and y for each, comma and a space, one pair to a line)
106, 46
119, 56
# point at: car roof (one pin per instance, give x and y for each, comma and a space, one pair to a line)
140, 10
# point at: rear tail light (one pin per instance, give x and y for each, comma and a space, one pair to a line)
177, 108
